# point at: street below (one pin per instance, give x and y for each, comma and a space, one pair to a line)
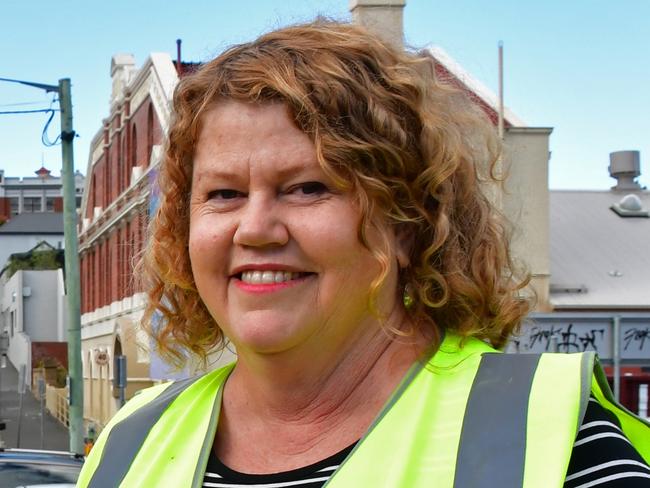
55, 435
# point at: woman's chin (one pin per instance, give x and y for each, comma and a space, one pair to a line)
266, 337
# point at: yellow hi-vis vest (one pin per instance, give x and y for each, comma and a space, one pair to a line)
468, 418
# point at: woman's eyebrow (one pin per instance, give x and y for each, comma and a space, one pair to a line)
283, 172
290, 171
220, 173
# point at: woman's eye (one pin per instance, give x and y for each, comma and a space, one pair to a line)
311, 188
226, 194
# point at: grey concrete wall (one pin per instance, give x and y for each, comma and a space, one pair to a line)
525, 202
40, 313
62, 308
11, 302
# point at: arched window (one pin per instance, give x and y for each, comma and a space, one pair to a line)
134, 146
83, 264
108, 191
93, 192
117, 351
120, 168
149, 133
128, 242
125, 162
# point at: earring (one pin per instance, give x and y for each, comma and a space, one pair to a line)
407, 296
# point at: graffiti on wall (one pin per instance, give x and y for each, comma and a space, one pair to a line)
636, 338
563, 338
549, 334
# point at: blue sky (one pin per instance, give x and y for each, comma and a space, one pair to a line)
581, 67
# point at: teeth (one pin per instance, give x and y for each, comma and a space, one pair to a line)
267, 277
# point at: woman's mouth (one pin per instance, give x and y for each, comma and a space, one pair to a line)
258, 277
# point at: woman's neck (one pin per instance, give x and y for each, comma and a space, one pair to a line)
288, 411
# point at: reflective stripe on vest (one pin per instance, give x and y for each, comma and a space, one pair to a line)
495, 422
468, 417
557, 403
125, 439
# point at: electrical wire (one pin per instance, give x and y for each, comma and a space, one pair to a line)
44, 137
21, 104
14, 112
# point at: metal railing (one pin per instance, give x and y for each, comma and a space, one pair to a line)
57, 404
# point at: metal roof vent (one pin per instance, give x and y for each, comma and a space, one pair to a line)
630, 206
625, 167
559, 288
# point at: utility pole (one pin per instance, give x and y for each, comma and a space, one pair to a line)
500, 111
75, 412
72, 289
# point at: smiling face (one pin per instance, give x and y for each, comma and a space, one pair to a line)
273, 244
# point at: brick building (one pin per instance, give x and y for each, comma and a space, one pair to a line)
114, 212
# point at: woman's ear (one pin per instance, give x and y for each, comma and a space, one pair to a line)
404, 242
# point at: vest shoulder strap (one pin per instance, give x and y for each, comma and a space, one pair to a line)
474, 417
142, 441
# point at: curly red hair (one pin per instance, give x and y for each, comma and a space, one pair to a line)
414, 150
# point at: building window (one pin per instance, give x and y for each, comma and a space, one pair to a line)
120, 168
49, 204
31, 204
149, 134
134, 147
15, 205
107, 181
78, 200
95, 200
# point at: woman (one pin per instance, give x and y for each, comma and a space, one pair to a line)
322, 211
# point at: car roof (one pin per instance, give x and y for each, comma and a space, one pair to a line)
40, 456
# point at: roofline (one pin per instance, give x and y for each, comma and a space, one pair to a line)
528, 130
600, 308
643, 192
472, 84
587, 314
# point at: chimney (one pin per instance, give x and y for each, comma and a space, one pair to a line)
382, 17
625, 167
122, 66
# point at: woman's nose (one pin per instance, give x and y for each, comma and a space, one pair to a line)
261, 223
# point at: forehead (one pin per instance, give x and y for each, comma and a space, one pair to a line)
237, 135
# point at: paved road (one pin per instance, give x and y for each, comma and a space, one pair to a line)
55, 434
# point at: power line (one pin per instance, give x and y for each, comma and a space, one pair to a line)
42, 110
18, 104
44, 138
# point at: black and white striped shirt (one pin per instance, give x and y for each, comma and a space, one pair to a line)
219, 475
602, 457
